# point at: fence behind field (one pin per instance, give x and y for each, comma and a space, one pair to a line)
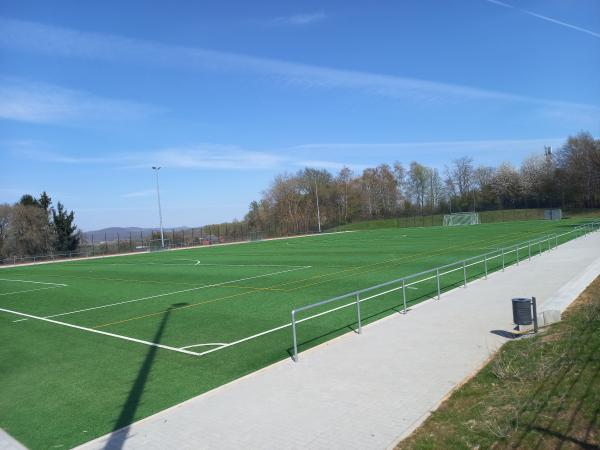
138, 242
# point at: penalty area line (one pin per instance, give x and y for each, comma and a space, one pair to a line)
104, 333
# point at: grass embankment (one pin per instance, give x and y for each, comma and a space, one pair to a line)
436, 220
537, 393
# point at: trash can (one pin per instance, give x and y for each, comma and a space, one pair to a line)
521, 308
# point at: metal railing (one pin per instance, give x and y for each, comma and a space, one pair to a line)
522, 250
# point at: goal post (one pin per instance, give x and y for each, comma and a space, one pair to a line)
468, 218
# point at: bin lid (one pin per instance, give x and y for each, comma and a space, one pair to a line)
521, 300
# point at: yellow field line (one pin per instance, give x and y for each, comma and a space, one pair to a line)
171, 309
253, 288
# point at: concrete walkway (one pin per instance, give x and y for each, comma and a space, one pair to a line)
367, 391
7, 442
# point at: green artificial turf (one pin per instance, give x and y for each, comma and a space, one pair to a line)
62, 386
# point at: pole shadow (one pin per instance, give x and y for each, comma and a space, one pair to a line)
122, 424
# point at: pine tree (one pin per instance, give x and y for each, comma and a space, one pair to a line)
28, 200
66, 236
44, 202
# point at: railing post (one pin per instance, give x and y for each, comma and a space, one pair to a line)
358, 313
404, 294
529, 249
517, 254
295, 355
485, 265
465, 273
539, 247
555, 240
502, 259
437, 273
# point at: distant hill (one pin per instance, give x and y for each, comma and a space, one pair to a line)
111, 234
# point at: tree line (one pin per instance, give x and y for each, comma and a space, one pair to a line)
32, 226
566, 178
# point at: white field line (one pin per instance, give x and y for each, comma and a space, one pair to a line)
104, 333
407, 285
168, 293
30, 290
197, 263
208, 344
33, 282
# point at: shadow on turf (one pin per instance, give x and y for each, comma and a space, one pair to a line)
121, 427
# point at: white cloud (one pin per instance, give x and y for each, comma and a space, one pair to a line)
329, 165
57, 41
357, 155
45, 103
217, 157
300, 19
546, 18
139, 194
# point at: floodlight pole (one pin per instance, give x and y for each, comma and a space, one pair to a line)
162, 236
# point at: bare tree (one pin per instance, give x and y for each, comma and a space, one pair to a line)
507, 185
418, 175
25, 236
5, 218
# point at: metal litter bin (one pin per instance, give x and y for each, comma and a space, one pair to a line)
525, 312
521, 308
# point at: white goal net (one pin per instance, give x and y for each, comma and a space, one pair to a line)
255, 235
553, 214
468, 218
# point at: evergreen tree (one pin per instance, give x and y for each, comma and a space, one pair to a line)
28, 200
66, 236
44, 202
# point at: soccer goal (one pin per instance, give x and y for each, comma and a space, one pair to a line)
255, 236
553, 214
468, 218
156, 245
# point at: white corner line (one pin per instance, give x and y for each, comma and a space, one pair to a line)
208, 344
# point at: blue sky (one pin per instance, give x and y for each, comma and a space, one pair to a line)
224, 95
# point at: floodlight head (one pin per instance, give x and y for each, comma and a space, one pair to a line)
156, 167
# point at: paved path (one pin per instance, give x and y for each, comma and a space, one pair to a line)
366, 391
7, 442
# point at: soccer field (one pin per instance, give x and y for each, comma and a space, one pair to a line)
88, 346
